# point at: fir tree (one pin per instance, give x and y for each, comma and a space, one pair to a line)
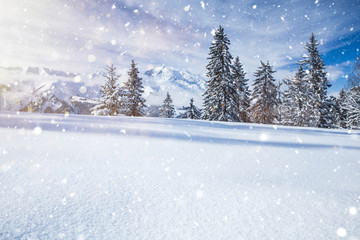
354, 77
109, 102
220, 95
191, 112
318, 82
242, 91
264, 96
352, 108
298, 101
334, 109
342, 109
167, 109
133, 103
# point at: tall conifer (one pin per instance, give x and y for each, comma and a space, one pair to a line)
318, 82
133, 103
242, 94
264, 96
109, 103
220, 95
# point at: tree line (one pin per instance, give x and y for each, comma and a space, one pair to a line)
300, 100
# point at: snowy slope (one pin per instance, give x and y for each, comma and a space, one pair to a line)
85, 177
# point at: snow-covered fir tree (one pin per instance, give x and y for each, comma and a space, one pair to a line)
342, 111
109, 103
191, 112
133, 104
352, 108
242, 91
354, 77
220, 95
298, 101
334, 110
167, 110
318, 82
264, 96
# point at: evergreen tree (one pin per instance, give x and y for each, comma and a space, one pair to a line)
242, 91
352, 108
220, 95
334, 112
109, 102
133, 104
298, 101
342, 110
191, 112
264, 96
167, 109
354, 77
318, 82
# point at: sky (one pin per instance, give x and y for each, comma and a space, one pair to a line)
85, 35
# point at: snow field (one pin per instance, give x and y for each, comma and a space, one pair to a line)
86, 177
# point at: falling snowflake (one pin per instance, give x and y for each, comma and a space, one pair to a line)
37, 131
341, 232
263, 137
187, 8
77, 78
353, 211
82, 89
91, 58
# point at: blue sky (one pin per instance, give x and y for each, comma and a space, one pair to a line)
83, 36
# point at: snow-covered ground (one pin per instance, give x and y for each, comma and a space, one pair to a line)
86, 177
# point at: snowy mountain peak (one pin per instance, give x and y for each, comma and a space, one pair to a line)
183, 79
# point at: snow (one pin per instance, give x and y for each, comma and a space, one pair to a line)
87, 177
182, 85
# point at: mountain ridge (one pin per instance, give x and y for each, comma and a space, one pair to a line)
60, 91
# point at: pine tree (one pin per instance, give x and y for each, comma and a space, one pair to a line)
167, 109
133, 104
264, 96
242, 91
318, 81
220, 95
109, 102
191, 112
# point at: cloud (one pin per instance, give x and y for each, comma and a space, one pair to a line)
66, 34
334, 72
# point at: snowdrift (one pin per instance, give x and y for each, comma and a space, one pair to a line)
86, 177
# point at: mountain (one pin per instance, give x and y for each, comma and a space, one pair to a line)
41, 89
47, 90
182, 86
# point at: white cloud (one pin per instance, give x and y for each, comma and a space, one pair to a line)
334, 72
63, 34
